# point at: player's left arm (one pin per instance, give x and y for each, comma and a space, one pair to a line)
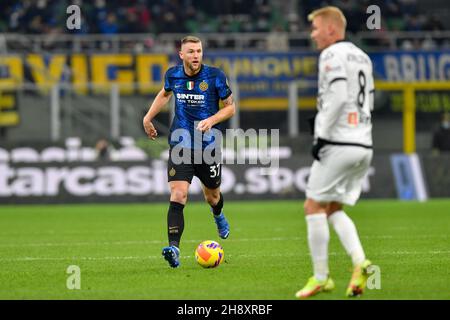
228, 109
226, 112
332, 99
334, 96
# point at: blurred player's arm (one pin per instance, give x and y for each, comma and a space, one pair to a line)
334, 77
160, 101
331, 106
228, 110
333, 101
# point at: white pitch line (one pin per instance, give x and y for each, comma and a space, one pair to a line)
109, 243
28, 259
143, 242
69, 244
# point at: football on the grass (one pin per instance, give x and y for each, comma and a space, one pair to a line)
209, 254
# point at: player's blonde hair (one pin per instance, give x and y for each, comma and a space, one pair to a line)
330, 13
190, 39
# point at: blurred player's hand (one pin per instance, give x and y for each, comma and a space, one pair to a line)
316, 148
205, 125
150, 129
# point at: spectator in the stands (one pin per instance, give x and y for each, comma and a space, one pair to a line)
109, 25
433, 24
165, 16
277, 40
441, 137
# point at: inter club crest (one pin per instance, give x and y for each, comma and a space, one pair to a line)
203, 85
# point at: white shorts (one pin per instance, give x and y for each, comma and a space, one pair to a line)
339, 174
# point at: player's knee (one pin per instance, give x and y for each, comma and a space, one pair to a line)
310, 207
333, 207
212, 198
178, 195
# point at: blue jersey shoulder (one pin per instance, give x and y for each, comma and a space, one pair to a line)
215, 72
221, 82
170, 74
212, 70
175, 71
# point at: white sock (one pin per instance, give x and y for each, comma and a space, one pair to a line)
318, 237
346, 231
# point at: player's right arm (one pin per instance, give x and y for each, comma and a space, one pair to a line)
160, 101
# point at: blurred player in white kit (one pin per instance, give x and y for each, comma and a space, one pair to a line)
342, 149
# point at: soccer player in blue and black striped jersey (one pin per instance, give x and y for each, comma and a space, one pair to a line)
197, 89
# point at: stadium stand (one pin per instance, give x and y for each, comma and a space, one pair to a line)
156, 17
181, 16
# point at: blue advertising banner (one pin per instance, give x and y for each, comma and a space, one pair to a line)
408, 175
264, 74
412, 65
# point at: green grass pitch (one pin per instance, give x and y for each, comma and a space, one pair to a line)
118, 250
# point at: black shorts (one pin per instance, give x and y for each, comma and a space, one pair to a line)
209, 172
